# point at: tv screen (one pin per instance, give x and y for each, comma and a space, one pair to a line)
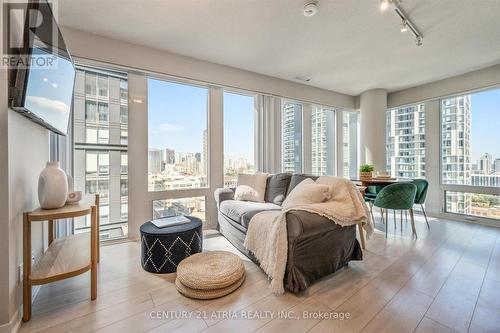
45, 86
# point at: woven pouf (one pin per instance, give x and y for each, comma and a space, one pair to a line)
210, 275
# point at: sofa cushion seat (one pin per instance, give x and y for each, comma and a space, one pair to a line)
242, 212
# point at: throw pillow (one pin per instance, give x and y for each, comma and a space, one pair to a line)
276, 187
307, 192
251, 187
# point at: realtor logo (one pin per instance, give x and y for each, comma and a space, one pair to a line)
27, 25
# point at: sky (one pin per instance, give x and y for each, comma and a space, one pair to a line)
485, 124
177, 117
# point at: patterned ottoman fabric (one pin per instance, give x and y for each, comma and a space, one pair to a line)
163, 249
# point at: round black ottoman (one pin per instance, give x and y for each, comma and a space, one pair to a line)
163, 249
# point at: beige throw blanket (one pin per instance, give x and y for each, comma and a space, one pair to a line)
267, 236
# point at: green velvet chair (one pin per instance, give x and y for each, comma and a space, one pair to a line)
422, 186
399, 196
370, 195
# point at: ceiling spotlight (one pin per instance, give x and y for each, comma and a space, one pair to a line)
310, 9
418, 41
404, 26
384, 4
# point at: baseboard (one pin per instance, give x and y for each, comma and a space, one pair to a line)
13, 325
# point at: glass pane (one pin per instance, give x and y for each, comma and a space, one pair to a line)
239, 135
177, 118
102, 84
123, 114
124, 187
90, 84
91, 135
124, 163
91, 161
103, 166
405, 141
103, 112
103, 136
90, 111
292, 137
350, 145
185, 206
470, 136
124, 91
475, 204
323, 141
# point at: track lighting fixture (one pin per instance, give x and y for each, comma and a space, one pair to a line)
406, 23
384, 4
404, 26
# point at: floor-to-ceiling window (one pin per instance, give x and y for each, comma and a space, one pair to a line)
323, 140
470, 154
405, 141
178, 145
350, 143
100, 121
239, 136
292, 137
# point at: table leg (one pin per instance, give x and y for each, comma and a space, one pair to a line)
93, 253
361, 235
27, 268
98, 227
51, 231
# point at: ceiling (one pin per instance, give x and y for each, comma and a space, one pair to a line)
349, 46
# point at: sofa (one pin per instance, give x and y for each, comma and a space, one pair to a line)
317, 246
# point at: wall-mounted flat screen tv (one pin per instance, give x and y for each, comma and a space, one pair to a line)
43, 89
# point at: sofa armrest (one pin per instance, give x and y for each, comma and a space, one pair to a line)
302, 224
222, 194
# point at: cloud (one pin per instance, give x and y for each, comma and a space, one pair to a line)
165, 128
50, 104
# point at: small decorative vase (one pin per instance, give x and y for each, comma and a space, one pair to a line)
366, 175
52, 186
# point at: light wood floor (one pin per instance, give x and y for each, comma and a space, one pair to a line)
446, 281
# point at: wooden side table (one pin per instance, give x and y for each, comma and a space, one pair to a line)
66, 256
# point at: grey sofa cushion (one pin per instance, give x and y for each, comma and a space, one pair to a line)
296, 179
276, 187
242, 211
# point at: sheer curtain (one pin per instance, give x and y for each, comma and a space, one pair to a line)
268, 134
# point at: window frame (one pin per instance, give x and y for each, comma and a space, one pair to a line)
461, 188
207, 119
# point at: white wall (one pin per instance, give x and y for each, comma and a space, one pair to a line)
24, 150
94, 47
476, 80
28, 154
4, 203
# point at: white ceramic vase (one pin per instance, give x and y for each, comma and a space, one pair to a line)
52, 186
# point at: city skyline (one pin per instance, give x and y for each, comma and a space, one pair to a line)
186, 107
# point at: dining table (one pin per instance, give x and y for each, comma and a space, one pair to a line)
382, 181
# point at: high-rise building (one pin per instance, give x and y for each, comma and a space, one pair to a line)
154, 160
292, 137
405, 141
484, 164
100, 133
323, 141
350, 143
169, 156
455, 153
497, 166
